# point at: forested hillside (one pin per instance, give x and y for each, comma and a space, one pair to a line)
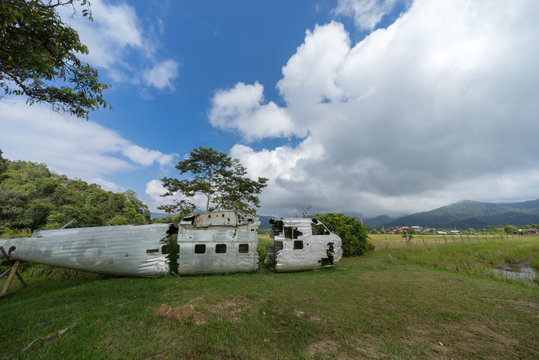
473, 214
33, 197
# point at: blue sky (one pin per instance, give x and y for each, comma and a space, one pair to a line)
365, 106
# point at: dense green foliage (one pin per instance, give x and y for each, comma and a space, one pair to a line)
33, 197
511, 229
38, 57
218, 177
352, 232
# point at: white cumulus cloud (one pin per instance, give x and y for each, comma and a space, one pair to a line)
68, 145
439, 106
241, 108
119, 42
107, 185
155, 190
162, 74
366, 13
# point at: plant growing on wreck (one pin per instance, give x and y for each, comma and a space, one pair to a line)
218, 177
39, 57
353, 233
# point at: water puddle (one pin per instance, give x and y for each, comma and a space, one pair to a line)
521, 272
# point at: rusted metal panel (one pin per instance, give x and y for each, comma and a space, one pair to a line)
218, 242
302, 244
130, 250
218, 218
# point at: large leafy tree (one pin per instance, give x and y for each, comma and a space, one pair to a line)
39, 57
218, 177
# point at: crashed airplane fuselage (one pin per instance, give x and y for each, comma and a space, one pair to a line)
210, 243
218, 242
302, 244
127, 250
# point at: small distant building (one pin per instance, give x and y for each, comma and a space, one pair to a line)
455, 232
441, 232
416, 227
400, 230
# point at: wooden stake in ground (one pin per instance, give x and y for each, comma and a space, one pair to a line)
12, 271
385, 235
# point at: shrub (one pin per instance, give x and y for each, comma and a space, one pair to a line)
353, 233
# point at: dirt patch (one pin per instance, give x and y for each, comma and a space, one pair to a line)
433, 340
323, 347
183, 314
366, 347
230, 308
527, 306
312, 318
448, 339
315, 319
478, 331
200, 313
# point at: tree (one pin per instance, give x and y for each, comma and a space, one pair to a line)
140, 209
218, 177
305, 211
3, 164
511, 229
408, 234
352, 232
38, 58
32, 197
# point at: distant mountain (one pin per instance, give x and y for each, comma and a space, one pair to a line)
264, 221
473, 214
377, 221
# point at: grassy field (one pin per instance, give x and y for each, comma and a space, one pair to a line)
469, 257
398, 241
391, 304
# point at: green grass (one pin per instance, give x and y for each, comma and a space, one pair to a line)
263, 241
387, 304
475, 258
381, 241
